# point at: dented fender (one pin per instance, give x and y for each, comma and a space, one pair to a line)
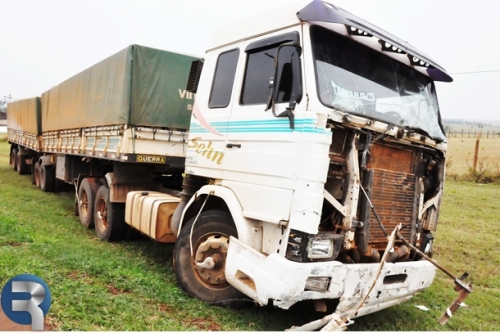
249, 231
272, 277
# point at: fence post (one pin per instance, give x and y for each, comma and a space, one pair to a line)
476, 151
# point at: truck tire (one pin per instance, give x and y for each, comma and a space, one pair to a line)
87, 194
210, 238
13, 159
32, 167
21, 165
37, 175
47, 178
108, 217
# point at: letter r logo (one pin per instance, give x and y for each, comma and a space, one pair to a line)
26, 300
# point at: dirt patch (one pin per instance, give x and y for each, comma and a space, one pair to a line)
116, 291
15, 244
204, 324
165, 308
76, 275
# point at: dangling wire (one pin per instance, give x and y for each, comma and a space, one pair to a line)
194, 222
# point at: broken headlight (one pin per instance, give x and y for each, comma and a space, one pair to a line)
304, 247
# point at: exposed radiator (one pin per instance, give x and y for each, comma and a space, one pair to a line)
393, 198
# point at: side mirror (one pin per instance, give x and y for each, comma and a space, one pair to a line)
287, 83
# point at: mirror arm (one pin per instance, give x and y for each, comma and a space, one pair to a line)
289, 113
270, 97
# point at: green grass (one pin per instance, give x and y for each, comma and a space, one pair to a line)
131, 285
461, 154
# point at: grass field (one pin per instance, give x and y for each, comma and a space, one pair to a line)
131, 285
461, 154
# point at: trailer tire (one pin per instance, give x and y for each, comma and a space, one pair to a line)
33, 175
47, 178
37, 175
210, 238
108, 217
21, 165
87, 195
13, 159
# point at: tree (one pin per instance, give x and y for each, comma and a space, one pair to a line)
4, 101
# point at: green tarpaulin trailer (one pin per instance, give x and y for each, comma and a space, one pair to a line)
138, 86
131, 107
24, 122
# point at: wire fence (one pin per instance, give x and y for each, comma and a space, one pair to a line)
473, 134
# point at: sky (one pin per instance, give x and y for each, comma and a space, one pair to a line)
44, 42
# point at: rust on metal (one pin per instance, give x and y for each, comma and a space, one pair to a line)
462, 295
164, 233
392, 159
393, 197
463, 288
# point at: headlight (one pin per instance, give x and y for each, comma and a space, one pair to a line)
324, 246
303, 247
320, 248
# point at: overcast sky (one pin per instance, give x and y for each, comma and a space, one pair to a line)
44, 42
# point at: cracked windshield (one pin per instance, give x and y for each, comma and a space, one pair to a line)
356, 79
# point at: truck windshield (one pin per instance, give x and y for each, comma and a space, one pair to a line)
356, 79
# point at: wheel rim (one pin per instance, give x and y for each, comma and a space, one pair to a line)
102, 215
42, 177
37, 176
84, 204
211, 248
13, 159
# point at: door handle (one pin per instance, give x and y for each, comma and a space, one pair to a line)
233, 145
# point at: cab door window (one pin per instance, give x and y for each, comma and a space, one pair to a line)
222, 85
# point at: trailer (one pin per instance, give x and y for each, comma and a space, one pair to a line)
310, 165
24, 132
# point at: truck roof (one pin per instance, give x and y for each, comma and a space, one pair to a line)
319, 11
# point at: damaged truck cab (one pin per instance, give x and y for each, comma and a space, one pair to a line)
314, 135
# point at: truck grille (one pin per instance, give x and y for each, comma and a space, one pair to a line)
393, 198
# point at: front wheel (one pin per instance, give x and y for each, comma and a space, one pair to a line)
108, 217
203, 274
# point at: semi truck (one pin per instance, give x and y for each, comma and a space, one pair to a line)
303, 158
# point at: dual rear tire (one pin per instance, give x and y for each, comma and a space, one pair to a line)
108, 216
86, 201
13, 159
95, 210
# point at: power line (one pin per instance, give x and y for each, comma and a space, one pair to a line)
476, 72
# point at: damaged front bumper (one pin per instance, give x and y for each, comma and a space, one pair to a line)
264, 278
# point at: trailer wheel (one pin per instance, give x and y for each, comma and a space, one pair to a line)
108, 217
33, 175
13, 159
210, 240
37, 175
87, 194
21, 165
47, 178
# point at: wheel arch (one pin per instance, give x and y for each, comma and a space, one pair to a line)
223, 198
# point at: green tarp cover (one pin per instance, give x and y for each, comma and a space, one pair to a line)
137, 86
24, 114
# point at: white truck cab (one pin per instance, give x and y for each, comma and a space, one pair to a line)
314, 136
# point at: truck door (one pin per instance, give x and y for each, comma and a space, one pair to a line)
260, 159
207, 143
